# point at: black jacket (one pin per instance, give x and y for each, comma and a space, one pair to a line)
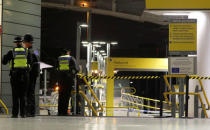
35, 66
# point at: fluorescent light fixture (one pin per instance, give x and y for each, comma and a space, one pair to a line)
84, 42
96, 45
84, 25
102, 51
85, 45
114, 43
192, 55
95, 42
102, 43
115, 71
176, 14
103, 54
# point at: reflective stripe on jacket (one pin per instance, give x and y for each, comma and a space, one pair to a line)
64, 62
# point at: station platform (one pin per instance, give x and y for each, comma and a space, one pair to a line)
102, 123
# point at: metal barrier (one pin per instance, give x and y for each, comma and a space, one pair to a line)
94, 95
139, 101
187, 90
183, 93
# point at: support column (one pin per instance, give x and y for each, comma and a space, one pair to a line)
72, 2
114, 5
203, 45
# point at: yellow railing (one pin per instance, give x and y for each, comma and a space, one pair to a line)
183, 93
94, 95
143, 98
5, 107
183, 76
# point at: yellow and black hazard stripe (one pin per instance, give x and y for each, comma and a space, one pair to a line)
199, 77
119, 77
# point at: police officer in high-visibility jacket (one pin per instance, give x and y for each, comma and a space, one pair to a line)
19, 59
34, 73
67, 70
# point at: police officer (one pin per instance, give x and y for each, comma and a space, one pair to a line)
33, 74
67, 70
19, 59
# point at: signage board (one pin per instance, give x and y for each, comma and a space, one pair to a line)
177, 4
182, 65
183, 37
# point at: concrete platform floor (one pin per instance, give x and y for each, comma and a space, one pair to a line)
91, 123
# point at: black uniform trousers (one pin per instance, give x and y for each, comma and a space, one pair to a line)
65, 82
31, 106
19, 81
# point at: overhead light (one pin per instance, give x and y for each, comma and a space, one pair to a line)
96, 42
115, 71
102, 51
114, 43
192, 55
85, 45
84, 4
176, 14
84, 42
102, 43
96, 45
84, 25
103, 54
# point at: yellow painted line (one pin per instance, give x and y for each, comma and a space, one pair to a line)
5, 107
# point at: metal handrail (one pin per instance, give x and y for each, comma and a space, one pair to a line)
132, 98
5, 107
190, 93
89, 103
150, 99
183, 76
94, 95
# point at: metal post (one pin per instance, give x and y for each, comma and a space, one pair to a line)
148, 103
89, 57
173, 105
76, 96
181, 97
196, 103
187, 96
114, 5
45, 86
161, 97
89, 22
72, 2
78, 42
108, 49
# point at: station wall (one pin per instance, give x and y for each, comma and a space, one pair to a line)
18, 18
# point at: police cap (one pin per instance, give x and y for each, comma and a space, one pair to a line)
28, 38
17, 39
